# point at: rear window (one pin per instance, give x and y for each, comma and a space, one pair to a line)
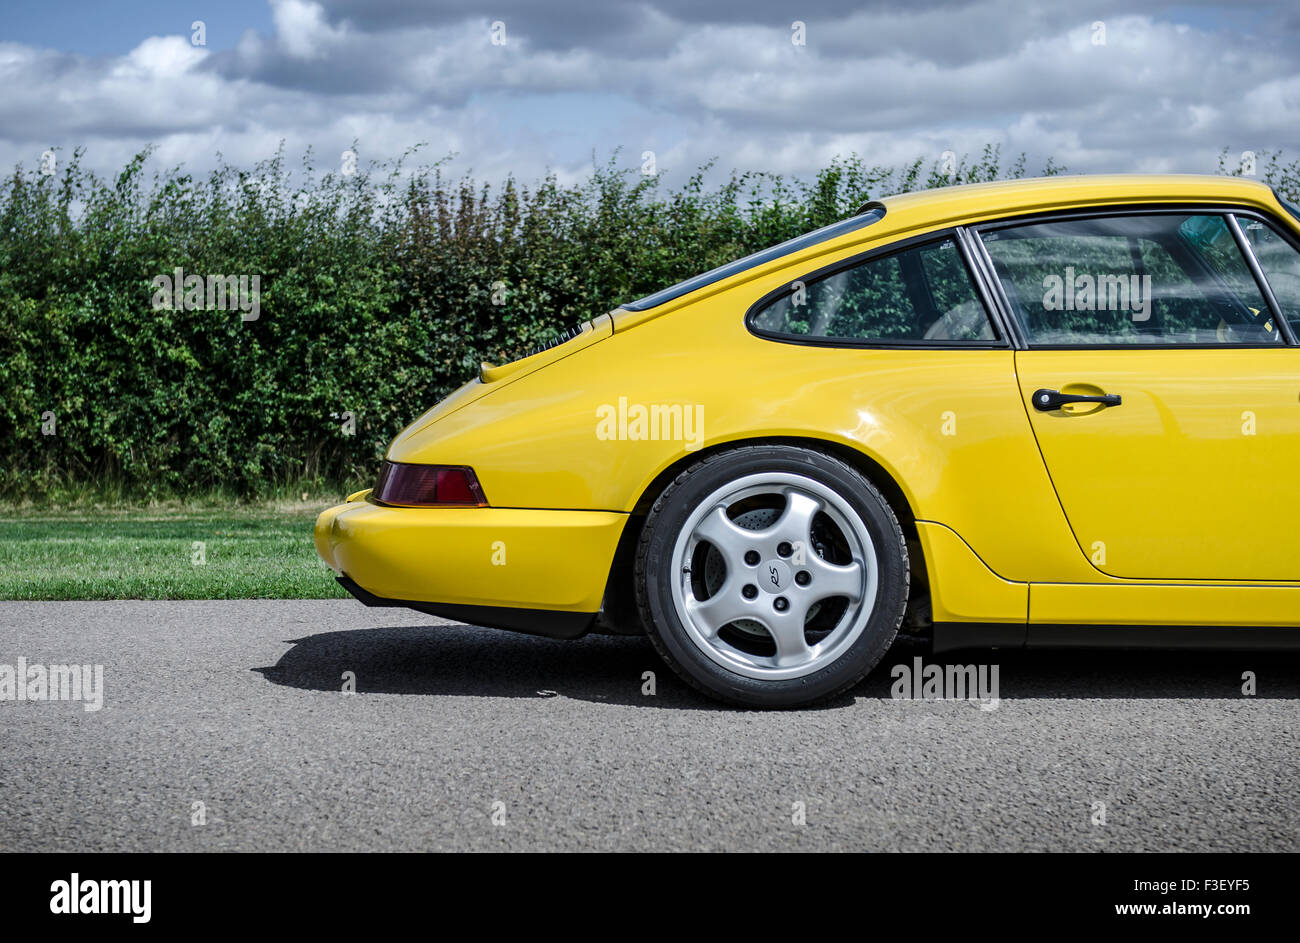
868, 216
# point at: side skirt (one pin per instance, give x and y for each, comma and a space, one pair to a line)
954, 636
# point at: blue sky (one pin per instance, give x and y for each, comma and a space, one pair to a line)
1168, 89
115, 27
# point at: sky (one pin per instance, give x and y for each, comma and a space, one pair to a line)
526, 88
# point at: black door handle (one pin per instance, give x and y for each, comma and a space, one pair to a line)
1047, 400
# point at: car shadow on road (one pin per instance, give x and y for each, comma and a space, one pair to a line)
457, 660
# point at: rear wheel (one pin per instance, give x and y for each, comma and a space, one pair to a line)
771, 576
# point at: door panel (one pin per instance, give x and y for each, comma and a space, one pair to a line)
1175, 463
1189, 477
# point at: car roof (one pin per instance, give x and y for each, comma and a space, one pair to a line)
1034, 194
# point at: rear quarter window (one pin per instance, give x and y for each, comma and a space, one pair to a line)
922, 294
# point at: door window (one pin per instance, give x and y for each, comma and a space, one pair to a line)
1160, 279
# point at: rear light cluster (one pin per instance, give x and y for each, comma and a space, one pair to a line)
426, 486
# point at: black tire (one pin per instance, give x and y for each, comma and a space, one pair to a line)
655, 569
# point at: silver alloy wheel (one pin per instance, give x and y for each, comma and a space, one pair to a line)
774, 577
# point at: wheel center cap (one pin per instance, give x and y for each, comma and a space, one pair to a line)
774, 576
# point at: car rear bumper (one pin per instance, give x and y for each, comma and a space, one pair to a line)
528, 570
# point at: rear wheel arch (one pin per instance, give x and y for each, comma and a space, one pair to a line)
618, 613
871, 468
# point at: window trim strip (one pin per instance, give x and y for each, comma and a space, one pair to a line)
981, 267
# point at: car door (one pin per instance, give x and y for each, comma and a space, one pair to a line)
1162, 391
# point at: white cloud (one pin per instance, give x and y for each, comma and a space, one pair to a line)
301, 29
892, 85
159, 57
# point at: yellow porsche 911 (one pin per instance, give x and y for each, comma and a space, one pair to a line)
1047, 412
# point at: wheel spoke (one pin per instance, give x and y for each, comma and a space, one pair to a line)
723, 607
795, 522
829, 579
731, 541
787, 632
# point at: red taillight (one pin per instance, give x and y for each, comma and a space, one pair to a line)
429, 486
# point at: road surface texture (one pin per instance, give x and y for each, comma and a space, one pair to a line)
469, 738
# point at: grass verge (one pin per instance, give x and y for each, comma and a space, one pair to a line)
169, 552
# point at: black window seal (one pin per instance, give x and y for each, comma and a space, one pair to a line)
977, 231
999, 341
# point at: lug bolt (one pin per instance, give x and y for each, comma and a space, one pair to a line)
803, 577
784, 549
752, 557
750, 591
781, 604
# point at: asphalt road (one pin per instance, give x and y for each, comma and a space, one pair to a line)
238, 705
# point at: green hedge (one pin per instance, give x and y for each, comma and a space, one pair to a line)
377, 298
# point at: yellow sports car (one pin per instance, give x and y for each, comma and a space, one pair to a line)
1062, 411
